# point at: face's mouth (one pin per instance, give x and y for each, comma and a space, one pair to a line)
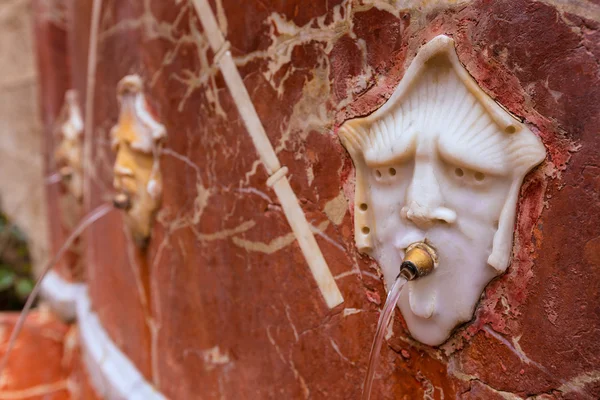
66, 173
122, 201
414, 236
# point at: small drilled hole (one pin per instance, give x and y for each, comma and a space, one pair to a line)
459, 172
366, 230
392, 171
479, 176
364, 206
510, 129
378, 173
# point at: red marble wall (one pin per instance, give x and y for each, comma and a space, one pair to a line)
222, 303
45, 363
117, 276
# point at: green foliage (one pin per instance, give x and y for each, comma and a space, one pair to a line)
23, 287
7, 278
16, 280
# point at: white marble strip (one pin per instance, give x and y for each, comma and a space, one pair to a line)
287, 198
112, 374
89, 105
306, 239
61, 295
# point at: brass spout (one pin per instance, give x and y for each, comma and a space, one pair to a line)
420, 260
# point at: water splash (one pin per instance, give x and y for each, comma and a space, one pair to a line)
85, 222
384, 320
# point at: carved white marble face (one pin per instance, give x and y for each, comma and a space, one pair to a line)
440, 162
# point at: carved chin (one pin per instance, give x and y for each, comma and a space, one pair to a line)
434, 307
432, 332
139, 214
138, 220
421, 306
423, 323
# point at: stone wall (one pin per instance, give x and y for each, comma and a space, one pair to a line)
222, 302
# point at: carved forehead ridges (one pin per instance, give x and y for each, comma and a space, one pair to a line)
437, 97
136, 124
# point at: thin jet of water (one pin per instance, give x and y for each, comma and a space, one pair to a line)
85, 222
384, 320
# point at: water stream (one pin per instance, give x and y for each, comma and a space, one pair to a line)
384, 320
85, 222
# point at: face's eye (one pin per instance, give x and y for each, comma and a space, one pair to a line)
385, 174
467, 176
114, 144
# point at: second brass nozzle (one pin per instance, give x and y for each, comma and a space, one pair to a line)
419, 261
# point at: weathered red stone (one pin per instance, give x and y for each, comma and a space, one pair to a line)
45, 362
222, 302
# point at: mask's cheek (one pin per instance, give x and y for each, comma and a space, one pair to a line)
480, 202
386, 203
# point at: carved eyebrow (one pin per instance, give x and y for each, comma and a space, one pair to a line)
488, 153
390, 149
392, 155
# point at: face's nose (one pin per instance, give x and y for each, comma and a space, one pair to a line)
424, 200
123, 168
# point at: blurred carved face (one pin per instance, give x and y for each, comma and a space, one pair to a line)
136, 139
441, 163
69, 149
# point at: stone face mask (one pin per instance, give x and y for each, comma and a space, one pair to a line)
137, 139
68, 153
439, 162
